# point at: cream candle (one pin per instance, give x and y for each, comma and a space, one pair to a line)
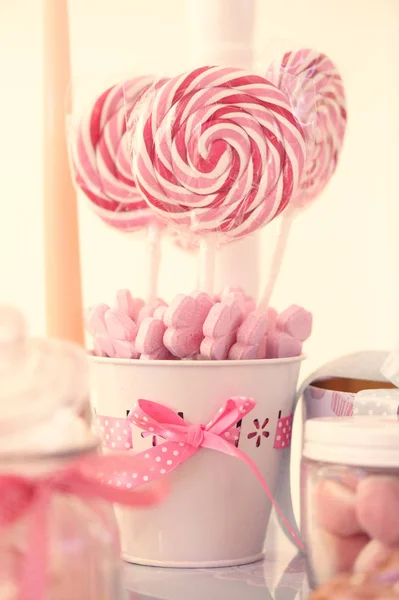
62, 263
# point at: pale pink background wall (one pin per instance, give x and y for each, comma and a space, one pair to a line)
342, 261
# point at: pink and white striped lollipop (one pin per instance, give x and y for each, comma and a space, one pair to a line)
312, 82
101, 160
218, 149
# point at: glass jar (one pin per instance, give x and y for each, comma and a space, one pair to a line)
58, 540
350, 495
77, 535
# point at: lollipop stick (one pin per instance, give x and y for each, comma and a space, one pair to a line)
277, 260
222, 33
154, 241
207, 255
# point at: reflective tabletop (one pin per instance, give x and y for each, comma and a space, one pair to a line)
280, 576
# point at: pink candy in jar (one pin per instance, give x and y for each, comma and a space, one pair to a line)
350, 496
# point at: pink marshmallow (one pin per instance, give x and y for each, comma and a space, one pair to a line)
184, 320
149, 341
336, 554
335, 508
113, 332
375, 556
129, 305
103, 346
246, 303
119, 325
272, 315
377, 508
282, 345
94, 319
249, 336
98, 348
159, 312
296, 322
149, 309
106, 346
220, 329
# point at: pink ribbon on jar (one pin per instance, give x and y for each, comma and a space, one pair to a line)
87, 478
183, 440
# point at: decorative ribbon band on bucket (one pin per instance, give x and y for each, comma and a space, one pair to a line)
183, 440
86, 478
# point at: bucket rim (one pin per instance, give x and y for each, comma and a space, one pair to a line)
175, 364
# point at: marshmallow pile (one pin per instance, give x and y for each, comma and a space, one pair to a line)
196, 326
358, 519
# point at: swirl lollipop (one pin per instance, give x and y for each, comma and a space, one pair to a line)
217, 151
102, 167
311, 81
100, 158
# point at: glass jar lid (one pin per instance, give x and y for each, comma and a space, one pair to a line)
371, 441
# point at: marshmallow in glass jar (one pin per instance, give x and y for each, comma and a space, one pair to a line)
350, 498
58, 537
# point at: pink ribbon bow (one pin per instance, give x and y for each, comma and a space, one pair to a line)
183, 440
90, 477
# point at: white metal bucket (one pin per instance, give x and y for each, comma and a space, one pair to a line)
217, 512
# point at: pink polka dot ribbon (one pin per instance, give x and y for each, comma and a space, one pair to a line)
115, 433
183, 440
283, 433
